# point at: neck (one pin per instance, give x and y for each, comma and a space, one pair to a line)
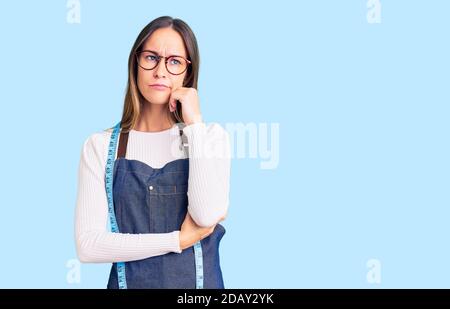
154, 118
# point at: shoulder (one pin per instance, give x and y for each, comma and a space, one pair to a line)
96, 144
98, 139
210, 140
212, 129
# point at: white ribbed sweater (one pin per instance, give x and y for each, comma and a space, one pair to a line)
208, 189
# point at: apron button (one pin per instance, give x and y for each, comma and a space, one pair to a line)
151, 187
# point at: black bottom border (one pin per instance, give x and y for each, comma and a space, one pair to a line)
357, 298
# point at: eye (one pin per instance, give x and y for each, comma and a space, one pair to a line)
151, 58
174, 61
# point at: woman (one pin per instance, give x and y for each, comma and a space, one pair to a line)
168, 186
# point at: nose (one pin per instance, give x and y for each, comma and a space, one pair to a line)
160, 70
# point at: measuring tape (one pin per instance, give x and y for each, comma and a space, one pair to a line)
109, 185
198, 253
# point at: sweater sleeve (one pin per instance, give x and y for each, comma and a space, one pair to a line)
209, 172
94, 243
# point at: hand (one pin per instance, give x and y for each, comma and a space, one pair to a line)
190, 232
190, 105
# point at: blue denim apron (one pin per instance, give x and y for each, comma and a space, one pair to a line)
154, 200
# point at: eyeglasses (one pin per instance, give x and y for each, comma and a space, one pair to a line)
175, 65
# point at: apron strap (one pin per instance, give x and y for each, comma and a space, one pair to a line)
184, 142
123, 141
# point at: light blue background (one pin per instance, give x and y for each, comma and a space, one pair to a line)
364, 123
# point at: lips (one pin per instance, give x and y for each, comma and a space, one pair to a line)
158, 85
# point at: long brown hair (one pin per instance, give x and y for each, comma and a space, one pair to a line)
133, 97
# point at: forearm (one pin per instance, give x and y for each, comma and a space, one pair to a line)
106, 247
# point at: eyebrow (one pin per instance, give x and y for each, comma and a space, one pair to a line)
149, 50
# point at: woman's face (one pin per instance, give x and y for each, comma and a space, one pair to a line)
164, 42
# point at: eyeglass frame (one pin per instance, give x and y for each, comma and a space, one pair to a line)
159, 57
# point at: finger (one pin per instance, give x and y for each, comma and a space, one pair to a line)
174, 96
172, 103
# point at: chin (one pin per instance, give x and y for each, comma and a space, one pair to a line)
157, 99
